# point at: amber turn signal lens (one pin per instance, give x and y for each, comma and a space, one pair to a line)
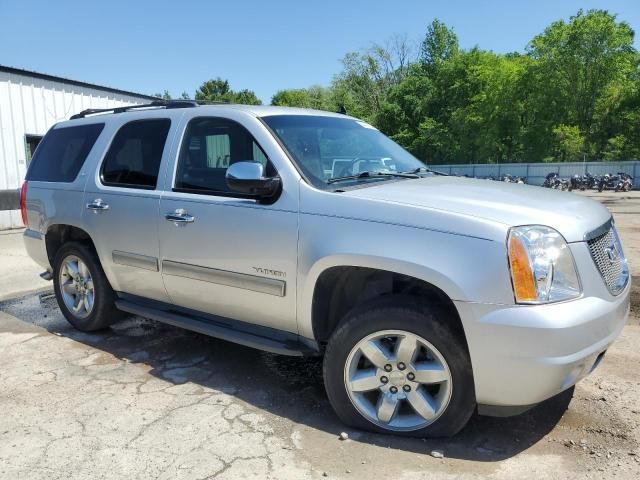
521, 274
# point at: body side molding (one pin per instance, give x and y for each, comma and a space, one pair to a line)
270, 286
135, 260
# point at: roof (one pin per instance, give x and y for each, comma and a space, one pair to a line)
138, 111
77, 83
266, 110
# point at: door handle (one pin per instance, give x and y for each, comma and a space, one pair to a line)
179, 217
97, 206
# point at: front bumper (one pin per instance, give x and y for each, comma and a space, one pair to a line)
522, 355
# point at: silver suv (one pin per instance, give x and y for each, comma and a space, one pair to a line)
310, 233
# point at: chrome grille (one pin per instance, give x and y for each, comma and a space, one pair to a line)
606, 251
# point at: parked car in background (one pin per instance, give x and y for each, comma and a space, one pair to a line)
302, 232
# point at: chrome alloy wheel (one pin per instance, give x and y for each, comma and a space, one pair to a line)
398, 380
76, 286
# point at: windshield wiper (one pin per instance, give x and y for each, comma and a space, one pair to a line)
368, 174
425, 170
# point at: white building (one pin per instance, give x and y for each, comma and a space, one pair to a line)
30, 103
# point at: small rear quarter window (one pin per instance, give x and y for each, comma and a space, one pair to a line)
62, 152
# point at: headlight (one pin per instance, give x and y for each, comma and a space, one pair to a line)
542, 266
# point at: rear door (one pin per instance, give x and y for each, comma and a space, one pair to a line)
222, 252
121, 204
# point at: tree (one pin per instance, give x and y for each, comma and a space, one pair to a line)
367, 76
291, 98
575, 91
167, 96
569, 143
615, 148
219, 90
576, 62
439, 45
164, 96
246, 97
215, 90
466, 110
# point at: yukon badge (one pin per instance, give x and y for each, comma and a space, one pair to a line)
268, 271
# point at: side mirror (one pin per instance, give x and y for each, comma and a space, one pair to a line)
248, 177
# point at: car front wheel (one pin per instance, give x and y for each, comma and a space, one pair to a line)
396, 366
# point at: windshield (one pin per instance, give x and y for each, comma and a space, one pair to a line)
330, 149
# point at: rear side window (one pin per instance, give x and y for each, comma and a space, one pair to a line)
62, 152
133, 160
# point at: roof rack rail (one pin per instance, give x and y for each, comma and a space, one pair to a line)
156, 104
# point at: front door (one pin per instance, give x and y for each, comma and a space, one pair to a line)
223, 253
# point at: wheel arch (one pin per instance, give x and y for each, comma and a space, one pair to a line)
60, 233
335, 285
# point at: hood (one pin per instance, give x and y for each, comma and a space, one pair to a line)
510, 204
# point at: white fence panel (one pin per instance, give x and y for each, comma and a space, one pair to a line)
535, 173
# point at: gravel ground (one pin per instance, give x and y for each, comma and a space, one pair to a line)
146, 400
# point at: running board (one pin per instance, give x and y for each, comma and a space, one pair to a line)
250, 335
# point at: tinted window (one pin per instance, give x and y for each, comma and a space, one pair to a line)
210, 145
62, 153
133, 160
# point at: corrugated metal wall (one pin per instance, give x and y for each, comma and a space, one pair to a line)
30, 106
535, 173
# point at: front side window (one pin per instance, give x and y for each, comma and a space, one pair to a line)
133, 160
328, 149
62, 152
210, 145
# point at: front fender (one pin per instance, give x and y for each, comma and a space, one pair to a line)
467, 269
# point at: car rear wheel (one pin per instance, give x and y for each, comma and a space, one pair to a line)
396, 366
82, 289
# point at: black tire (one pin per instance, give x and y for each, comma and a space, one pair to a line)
401, 313
104, 312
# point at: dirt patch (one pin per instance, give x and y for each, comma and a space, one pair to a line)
635, 300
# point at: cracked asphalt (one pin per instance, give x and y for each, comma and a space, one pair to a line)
147, 400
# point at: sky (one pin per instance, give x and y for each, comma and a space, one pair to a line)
265, 46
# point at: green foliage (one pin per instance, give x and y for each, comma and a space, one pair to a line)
574, 93
291, 98
576, 65
569, 143
165, 95
316, 97
219, 90
245, 97
439, 44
